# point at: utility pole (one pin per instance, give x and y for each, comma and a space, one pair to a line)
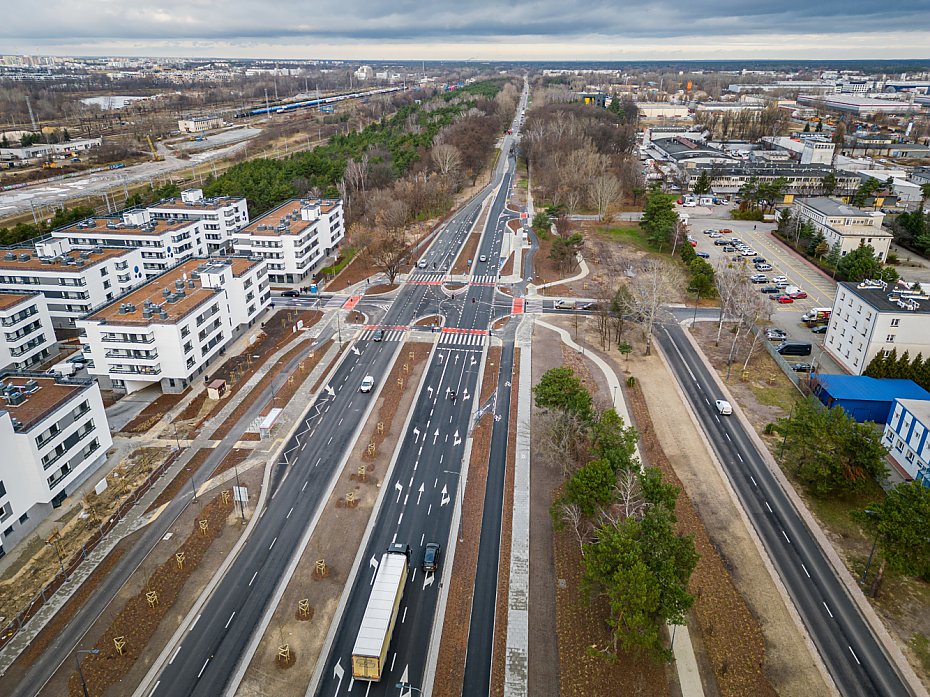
32, 116
267, 108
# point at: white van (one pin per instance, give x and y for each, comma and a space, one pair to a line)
564, 304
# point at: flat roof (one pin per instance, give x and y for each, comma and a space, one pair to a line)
10, 300
377, 618
34, 263
208, 203
52, 394
153, 291
100, 225
920, 408
867, 389
878, 298
288, 213
829, 206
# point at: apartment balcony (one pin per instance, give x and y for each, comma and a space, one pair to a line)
132, 355
20, 317
134, 370
26, 348
127, 339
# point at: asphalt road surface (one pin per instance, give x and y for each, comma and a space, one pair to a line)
851, 653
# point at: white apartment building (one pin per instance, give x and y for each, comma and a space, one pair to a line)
221, 216
846, 225
871, 317
168, 330
53, 435
26, 333
73, 281
907, 437
294, 237
163, 243
199, 124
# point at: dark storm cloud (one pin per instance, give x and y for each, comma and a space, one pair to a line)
57, 21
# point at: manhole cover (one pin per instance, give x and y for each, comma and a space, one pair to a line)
562, 583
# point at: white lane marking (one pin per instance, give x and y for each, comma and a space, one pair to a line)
400, 519
404, 618
753, 480
392, 662
854, 654
305, 485
230, 620
739, 456
805, 570
728, 437
253, 578
289, 513
285, 476
272, 543
176, 652
155, 688
422, 537
193, 624
769, 507
203, 668
828, 610
786, 536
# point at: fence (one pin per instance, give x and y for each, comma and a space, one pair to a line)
44, 595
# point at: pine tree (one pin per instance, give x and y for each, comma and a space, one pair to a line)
916, 369
902, 368
877, 366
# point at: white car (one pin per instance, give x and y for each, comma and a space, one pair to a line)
714, 235
723, 406
421, 264
482, 258
367, 384
748, 252
780, 279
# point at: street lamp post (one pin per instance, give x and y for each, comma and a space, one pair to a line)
696, 301
239, 496
868, 563
77, 661
407, 686
54, 545
461, 501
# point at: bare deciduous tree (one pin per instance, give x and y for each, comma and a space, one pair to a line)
650, 289
604, 191
446, 158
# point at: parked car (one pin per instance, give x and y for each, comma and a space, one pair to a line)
819, 329
431, 558
759, 278
290, 294
721, 242
802, 367
759, 260
799, 295
748, 252
715, 235
703, 255
726, 231
783, 299
77, 358
794, 348
729, 248
780, 279
723, 406
776, 333
709, 232
769, 289
763, 267
368, 382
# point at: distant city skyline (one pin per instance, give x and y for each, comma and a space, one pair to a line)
473, 29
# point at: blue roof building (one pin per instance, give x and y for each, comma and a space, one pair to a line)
865, 398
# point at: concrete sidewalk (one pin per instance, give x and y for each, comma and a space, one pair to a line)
137, 517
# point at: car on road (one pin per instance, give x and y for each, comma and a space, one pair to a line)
776, 334
759, 278
290, 294
723, 406
769, 289
819, 329
421, 264
802, 367
562, 304
783, 299
431, 557
368, 382
118, 165
799, 295
379, 335
703, 255
587, 306
482, 258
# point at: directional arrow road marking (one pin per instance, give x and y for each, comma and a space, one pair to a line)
445, 496
373, 563
416, 434
420, 493
430, 391
467, 396
428, 579
507, 384
435, 436
330, 391
338, 673
400, 490
455, 439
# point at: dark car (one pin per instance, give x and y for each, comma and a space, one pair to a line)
431, 557
728, 248
819, 329
769, 289
721, 242
290, 294
379, 335
802, 367
703, 255
758, 260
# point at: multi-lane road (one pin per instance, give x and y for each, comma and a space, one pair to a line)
852, 655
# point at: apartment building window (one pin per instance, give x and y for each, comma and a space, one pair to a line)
188, 347
2, 488
185, 331
889, 339
895, 322
5, 512
909, 456
104, 271
25, 516
106, 284
899, 446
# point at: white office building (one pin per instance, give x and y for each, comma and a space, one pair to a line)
294, 238
26, 333
221, 217
163, 243
53, 436
846, 225
73, 281
169, 330
871, 317
907, 437
199, 124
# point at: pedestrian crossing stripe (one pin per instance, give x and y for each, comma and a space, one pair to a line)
533, 306
459, 330
389, 334
335, 302
426, 279
462, 340
483, 280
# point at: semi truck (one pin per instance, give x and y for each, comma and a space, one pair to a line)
374, 634
817, 315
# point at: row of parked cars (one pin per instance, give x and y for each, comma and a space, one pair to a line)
789, 347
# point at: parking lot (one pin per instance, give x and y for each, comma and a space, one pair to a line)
820, 289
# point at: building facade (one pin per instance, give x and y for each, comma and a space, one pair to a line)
73, 281
845, 225
169, 330
221, 217
54, 435
905, 436
163, 243
803, 180
870, 318
27, 336
199, 124
294, 238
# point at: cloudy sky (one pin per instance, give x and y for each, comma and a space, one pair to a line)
464, 29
